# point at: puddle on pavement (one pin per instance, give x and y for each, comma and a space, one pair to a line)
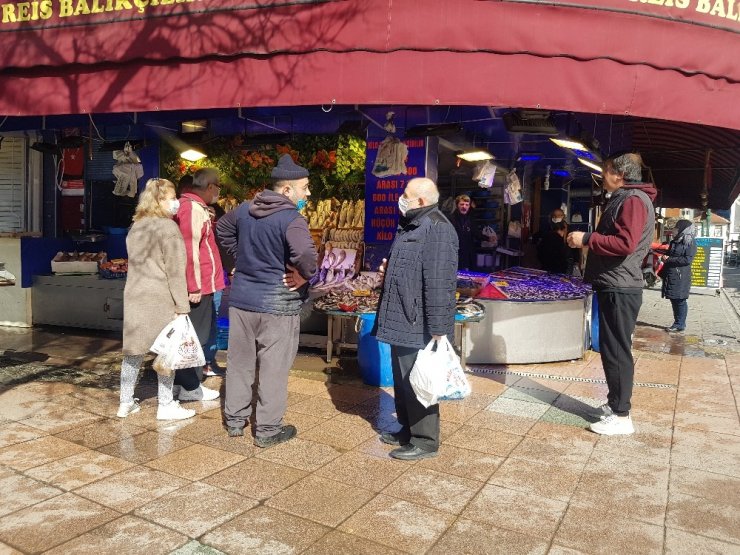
659, 341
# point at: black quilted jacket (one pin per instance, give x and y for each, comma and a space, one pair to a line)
418, 298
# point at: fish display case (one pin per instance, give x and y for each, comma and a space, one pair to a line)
530, 317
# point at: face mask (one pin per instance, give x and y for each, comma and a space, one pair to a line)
174, 206
301, 204
557, 220
403, 205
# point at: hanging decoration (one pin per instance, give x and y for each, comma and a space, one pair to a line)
127, 171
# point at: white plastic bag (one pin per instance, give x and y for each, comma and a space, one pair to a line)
513, 189
178, 346
437, 375
457, 385
484, 174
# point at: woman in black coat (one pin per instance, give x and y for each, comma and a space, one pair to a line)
676, 273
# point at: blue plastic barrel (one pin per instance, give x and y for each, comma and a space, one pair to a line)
373, 356
115, 245
222, 337
595, 323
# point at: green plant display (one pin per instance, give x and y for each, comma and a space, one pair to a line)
336, 164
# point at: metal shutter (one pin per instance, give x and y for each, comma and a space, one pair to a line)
101, 165
13, 185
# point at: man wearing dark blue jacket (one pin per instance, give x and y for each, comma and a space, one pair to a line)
267, 237
417, 305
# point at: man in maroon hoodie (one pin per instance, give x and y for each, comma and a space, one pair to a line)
616, 250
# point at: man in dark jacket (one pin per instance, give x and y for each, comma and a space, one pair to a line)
616, 250
464, 227
417, 305
266, 236
676, 273
552, 251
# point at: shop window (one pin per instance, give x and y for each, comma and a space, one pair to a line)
13, 190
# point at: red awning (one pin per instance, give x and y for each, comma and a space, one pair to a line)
649, 61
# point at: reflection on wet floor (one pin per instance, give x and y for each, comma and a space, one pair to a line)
655, 340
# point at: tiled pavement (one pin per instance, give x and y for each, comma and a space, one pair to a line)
517, 473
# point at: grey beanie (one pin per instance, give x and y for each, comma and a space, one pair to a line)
287, 169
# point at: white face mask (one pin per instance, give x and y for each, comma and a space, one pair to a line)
174, 206
403, 205
557, 220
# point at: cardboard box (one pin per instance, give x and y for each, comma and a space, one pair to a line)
76, 266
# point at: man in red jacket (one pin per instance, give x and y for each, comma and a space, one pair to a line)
204, 272
614, 268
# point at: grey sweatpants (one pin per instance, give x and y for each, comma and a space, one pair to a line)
266, 342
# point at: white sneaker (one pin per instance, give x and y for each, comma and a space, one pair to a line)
173, 411
200, 394
124, 409
613, 425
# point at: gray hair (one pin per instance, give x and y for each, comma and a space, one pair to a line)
425, 188
628, 165
204, 177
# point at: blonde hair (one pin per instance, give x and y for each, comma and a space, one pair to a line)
149, 200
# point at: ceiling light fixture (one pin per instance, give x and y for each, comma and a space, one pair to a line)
567, 143
475, 155
590, 164
192, 155
194, 126
561, 173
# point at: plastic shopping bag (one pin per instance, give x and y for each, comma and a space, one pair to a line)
456, 383
437, 375
178, 347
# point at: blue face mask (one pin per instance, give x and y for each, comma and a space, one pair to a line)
301, 204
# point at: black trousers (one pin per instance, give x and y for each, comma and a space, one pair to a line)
201, 315
617, 318
419, 424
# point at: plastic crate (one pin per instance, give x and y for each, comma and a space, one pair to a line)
107, 274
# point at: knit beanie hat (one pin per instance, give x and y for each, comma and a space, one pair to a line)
287, 169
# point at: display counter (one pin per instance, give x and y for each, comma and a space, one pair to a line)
86, 301
530, 317
528, 332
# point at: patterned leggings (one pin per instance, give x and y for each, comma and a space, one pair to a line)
130, 372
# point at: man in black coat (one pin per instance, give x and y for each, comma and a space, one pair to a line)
417, 305
676, 273
464, 227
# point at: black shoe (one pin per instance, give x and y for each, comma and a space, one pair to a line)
287, 432
674, 328
235, 431
394, 438
410, 452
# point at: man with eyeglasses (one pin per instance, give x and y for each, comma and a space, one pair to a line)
204, 271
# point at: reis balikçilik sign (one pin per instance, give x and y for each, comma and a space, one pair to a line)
52, 13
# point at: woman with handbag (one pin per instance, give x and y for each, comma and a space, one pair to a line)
155, 293
676, 273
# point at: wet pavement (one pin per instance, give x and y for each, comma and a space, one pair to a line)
517, 472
